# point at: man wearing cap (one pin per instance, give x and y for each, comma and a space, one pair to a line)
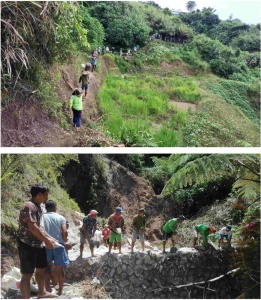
87, 231
225, 232
169, 229
30, 242
138, 225
204, 231
76, 105
116, 225
84, 79
55, 225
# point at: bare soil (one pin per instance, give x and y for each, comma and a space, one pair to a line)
26, 124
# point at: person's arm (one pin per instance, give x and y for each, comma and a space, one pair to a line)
40, 234
71, 102
80, 79
205, 236
64, 232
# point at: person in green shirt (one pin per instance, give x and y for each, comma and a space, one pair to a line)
84, 79
138, 225
169, 229
76, 105
202, 230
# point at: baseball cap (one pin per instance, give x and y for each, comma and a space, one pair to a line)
141, 210
228, 227
93, 212
119, 209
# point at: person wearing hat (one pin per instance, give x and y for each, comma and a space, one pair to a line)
116, 225
169, 229
84, 79
89, 224
225, 232
106, 234
55, 226
138, 225
204, 231
76, 105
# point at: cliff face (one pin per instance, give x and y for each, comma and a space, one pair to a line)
115, 186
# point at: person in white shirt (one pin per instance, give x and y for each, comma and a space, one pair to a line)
97, 238
225, 232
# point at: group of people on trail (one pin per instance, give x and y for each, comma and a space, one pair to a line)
78, 94
42, 239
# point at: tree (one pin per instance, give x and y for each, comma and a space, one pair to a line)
191, 5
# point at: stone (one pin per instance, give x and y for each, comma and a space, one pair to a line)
138, 271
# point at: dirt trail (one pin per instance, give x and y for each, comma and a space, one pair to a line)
184, 105
26, 124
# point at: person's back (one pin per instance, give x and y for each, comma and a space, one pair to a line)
53, 223
171, 225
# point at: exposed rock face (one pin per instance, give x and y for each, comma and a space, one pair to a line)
150, 275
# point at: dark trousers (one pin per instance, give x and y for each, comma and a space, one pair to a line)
77, 117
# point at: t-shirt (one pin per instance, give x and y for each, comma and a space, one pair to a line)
106, 233
115, 221
170, 226
138, 222
30, 212
53, 223
97, 236
76, 102
84, 79
204, 231
89, 223
223, 231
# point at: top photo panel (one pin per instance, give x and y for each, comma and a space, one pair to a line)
130, 74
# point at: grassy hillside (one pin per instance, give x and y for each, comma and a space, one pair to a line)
138, 102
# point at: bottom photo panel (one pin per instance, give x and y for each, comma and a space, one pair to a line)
130, 226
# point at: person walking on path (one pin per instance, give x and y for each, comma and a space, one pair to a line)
202, 230
169, 229
76, 105
116, 225
87, 231
31, 239
138, 225
106, 234
84, 79
55, 225
93, 63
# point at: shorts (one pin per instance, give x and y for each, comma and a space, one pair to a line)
31, 258
115, 237
167, 235
83, 239
58, 256
85, 86
135, 234
227, 236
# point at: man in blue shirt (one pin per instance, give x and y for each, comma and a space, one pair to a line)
55, 226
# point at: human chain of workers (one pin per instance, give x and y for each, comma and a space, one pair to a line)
78, 95
42, 239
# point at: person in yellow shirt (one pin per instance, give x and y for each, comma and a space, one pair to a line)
76, 105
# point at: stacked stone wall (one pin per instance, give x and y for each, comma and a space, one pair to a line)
150, 275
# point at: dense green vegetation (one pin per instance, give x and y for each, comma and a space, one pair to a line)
187, 184
37, 37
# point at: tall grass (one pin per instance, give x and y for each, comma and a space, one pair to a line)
134, 108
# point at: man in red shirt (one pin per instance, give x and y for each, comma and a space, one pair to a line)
116, 225
32, 240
